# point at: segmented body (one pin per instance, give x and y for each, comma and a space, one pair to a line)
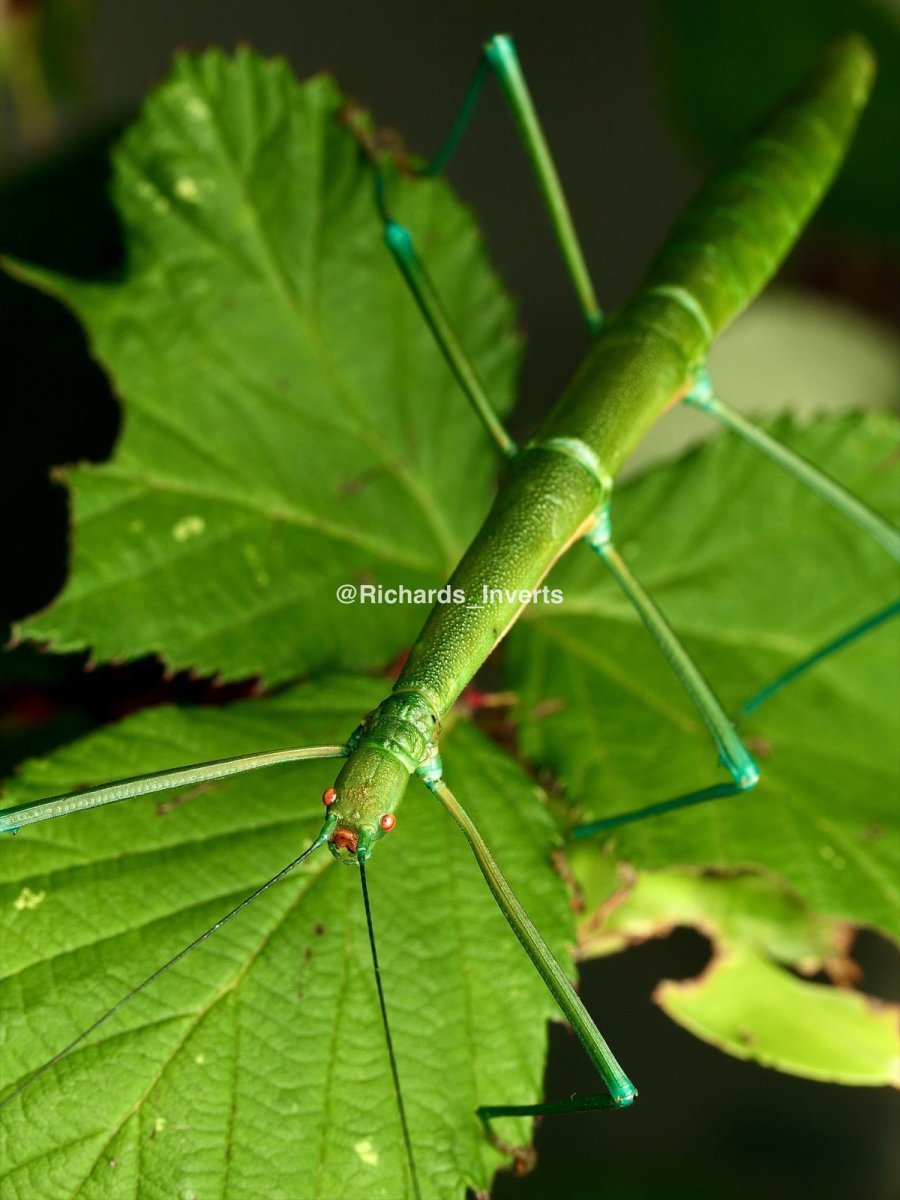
722, 251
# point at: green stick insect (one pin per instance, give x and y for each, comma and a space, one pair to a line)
555, 490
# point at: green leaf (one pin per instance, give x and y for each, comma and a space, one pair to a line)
290, 423
258, 1065
754, 573
747, 1002
291, 426
753, 1009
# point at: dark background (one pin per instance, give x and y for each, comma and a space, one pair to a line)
626, 109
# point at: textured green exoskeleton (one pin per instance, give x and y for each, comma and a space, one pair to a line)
721, 252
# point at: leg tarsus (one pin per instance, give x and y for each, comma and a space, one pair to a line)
717, 791
758, 699
524, 1158
600, 1102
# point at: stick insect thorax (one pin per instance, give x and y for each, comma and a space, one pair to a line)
722, 251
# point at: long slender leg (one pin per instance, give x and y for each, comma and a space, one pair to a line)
733, 754
12, 819
499, 57
703, 397
758, 699
400, 243
621, 1091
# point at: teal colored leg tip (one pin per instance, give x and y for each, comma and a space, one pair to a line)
499, 47
398, 237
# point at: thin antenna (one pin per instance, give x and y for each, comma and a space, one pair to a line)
51, 1062
387, 1034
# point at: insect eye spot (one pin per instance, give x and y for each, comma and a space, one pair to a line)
387, 822
329, 796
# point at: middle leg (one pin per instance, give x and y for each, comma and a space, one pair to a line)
733, 754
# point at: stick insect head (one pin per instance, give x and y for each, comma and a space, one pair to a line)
361, 804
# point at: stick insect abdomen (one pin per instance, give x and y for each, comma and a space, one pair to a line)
730, 241
719, 255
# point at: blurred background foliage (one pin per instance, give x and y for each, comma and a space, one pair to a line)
44, 69
620, 86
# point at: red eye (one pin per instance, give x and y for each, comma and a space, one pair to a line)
388, 821
328, 797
